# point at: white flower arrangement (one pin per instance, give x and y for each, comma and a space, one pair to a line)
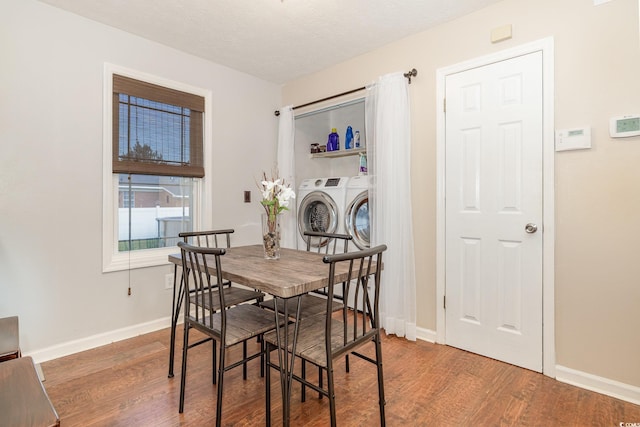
276, 196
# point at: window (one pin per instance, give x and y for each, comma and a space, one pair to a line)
153, 183
152, 210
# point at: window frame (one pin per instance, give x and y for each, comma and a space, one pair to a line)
112, 259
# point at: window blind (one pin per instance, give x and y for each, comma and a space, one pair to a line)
156, 130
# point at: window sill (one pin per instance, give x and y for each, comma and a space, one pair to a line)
139, 259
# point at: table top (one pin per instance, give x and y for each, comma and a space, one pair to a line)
295, 273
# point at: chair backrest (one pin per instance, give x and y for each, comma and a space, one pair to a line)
196, 262
208, 239
362, 281
327, 243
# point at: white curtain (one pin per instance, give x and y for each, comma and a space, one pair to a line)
388, 132
286, 170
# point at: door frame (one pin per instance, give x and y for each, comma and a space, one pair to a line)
546, 46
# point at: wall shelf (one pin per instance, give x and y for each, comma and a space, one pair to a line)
338, 153
314, 126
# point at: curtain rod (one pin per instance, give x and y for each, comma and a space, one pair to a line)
408, 75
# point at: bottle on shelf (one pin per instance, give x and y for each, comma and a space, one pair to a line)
362, 170
333, 142
356, 139
348, 139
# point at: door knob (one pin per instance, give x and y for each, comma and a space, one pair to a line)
530, 228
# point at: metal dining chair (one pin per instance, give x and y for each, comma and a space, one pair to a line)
314, 303
234, 294
229, 326
324, 338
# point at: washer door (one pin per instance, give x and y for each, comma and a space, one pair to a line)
357, 220
317, 212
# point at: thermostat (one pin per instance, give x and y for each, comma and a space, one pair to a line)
623, 126
573, 139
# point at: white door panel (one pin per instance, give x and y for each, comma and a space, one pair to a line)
493, 173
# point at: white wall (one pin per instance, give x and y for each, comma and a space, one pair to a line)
51, 164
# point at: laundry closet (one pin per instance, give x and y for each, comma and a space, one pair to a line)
313, 127
332, 189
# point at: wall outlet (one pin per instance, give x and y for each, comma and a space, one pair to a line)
168, 281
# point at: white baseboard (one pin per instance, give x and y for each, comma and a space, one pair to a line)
426, 335
600, 385
75, 346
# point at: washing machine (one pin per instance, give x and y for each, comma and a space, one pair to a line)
321, 207
357, 218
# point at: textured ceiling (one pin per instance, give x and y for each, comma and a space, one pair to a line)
276, 40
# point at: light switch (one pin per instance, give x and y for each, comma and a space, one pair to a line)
573, 139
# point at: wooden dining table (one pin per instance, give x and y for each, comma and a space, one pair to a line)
294, 274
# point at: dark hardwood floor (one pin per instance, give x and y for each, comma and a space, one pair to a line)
126, 384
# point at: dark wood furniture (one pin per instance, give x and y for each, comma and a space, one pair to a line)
293, 275
9, 338
23, 399
324, 338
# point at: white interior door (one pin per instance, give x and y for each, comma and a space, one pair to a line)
493, 205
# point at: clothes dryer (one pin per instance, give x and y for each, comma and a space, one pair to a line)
321, 206
357, 221
357, 218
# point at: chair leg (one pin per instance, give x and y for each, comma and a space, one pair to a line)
332, 394
262, 348
183, 375
380, 380
175, 312
244, 357
213, 361
320, 395
303, 374
220, 381
267, 382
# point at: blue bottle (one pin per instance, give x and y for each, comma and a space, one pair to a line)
333, 143
348, 139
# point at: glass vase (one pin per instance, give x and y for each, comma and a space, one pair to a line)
271, 236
